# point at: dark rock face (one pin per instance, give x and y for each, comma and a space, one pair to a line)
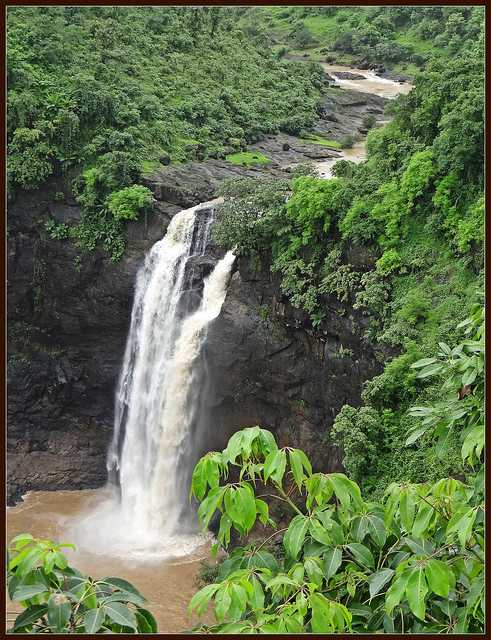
267, 368
69, 314
348, 75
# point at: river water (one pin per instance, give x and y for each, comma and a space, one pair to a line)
371, 84
167, 582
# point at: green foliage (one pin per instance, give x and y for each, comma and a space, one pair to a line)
249, 214
412, 562
325, 142
389, 262
143, 81
248, 159
394, 36
59, 599
57, 231
356, 432
29, 158
462, 369
129, 202
111, 91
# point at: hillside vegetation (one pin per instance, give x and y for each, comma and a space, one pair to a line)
114, 92
416, 207
401, 38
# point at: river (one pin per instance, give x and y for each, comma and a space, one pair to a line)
371, 84
167, 583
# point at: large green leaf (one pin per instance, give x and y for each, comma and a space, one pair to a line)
245, 498
322, 620
29, 616
59, 611
275, 466
295, 535
209, 505
124, 586
28, 591
416, 590
28, 562
233, 447
362, 554
21, 540
376, 530
296, 467
423, 519
93, 620
423, 363
314, 571
437, 575
378, 580
332, 561
202, 597
395, 593
319, 532
256, 598
120, 614
146, 619
359, 528
407, 509
262, 559
346, 490
223, 600
461, 524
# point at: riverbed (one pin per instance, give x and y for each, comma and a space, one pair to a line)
372, 83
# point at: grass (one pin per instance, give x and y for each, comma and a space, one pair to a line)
248, 159
315, 139
324, 28
149, 166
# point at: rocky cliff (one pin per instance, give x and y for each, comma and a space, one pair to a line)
68, 317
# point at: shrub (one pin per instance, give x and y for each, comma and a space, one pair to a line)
59, 599
389, 262
369, 121
128, 203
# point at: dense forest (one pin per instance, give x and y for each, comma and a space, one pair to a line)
106, 95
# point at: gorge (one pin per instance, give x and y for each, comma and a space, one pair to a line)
256, 370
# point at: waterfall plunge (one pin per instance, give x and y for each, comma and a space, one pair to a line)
156, 400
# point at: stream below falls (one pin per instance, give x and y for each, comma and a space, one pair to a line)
167, 579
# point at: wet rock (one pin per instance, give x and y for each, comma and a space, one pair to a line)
347, 75
268, 368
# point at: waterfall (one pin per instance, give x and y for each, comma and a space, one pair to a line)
151, 453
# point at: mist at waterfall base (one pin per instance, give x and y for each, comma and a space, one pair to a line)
147, 512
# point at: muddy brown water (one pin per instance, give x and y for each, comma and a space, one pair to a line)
168, 584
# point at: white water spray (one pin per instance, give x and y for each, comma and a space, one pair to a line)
156, 400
